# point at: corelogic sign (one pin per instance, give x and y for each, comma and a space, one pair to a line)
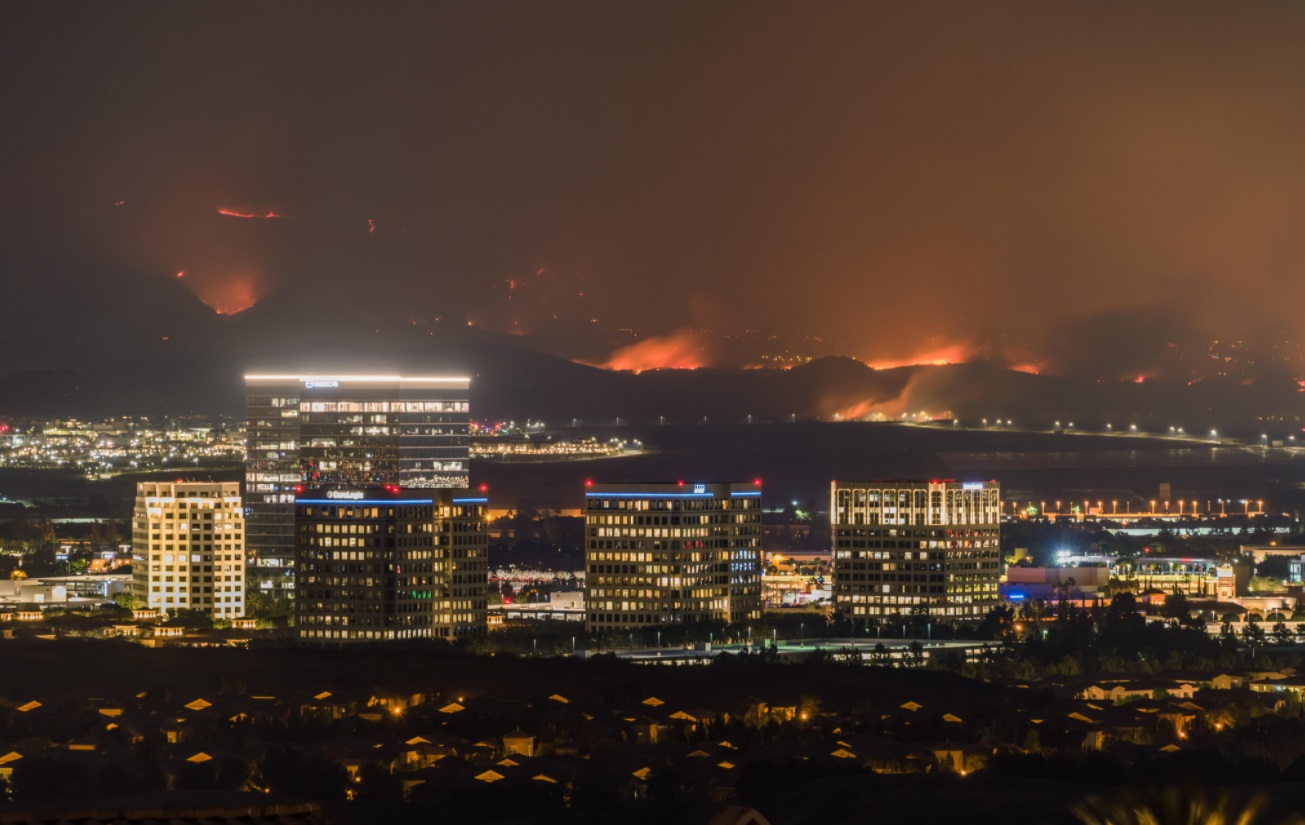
346, 495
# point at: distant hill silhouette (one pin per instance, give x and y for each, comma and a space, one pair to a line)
159, 350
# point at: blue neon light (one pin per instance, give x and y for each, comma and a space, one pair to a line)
650, 495
757, 493
471, 501
1015, 597
334, 501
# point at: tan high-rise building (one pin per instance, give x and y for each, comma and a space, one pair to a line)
659, 554
904, 545
188, 547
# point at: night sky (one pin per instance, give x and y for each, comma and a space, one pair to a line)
1047, 182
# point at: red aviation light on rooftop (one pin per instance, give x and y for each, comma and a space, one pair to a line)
484, 488
756, 482
299, 488
589, 482
680, 483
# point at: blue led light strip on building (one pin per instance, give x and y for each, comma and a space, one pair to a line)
471, 501
746, 494
363, 501
650, 495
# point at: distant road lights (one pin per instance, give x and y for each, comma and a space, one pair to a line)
1109, 427
1180, 430
1214, 433
1173, 429
1058, 425
1132, 427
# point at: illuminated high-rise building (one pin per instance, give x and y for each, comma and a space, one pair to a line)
380, 564
900, 546
188, 547
331, 431
660, 554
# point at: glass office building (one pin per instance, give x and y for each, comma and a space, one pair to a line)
660, 554
383, 564
910, 547
336, 431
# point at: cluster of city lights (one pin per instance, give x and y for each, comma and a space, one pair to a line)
102, 448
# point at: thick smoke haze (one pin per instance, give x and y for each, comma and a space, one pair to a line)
1050, 186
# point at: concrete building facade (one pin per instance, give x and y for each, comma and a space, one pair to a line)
188, 547
904, 546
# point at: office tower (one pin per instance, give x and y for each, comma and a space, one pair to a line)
900, 546
188, 547
462, 537
345, 431
661, 554
376, 564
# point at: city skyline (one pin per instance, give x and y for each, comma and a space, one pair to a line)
387, 390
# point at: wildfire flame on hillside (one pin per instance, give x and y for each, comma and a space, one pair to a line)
681, 350
231, 295
951, 354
